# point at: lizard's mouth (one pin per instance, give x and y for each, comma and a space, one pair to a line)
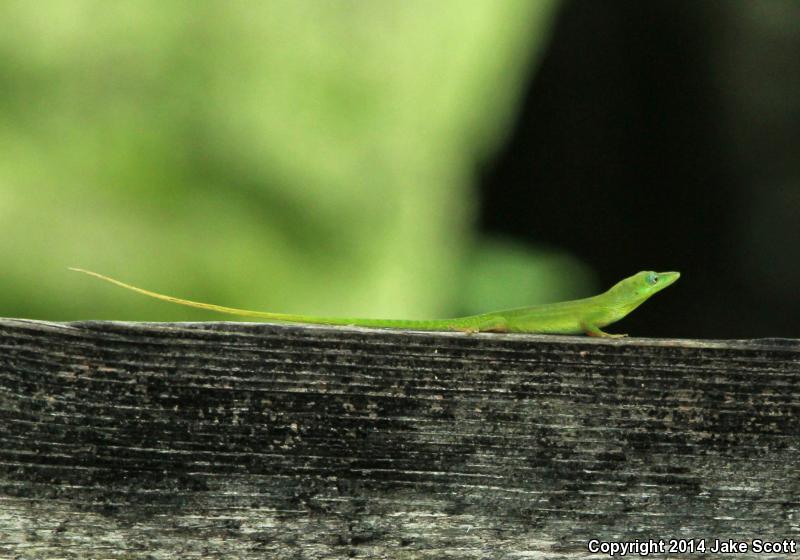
667, 279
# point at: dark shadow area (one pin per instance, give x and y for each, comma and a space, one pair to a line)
631, 152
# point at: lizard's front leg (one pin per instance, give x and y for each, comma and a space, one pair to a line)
593, 330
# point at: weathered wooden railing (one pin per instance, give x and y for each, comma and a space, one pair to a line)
231, 440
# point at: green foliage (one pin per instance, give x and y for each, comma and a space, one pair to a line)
502, 274
305, 156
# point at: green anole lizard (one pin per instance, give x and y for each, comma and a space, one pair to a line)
586, 315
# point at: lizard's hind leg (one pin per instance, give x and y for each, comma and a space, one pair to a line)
485, 324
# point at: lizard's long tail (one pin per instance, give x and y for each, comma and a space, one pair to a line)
432, 325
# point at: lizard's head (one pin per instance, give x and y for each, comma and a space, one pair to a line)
642, 285
626, 295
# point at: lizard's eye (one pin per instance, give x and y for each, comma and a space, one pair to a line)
652, 278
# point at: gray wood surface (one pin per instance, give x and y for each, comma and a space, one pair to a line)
231, 440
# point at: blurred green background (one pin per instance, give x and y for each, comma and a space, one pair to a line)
401, 159
305, 156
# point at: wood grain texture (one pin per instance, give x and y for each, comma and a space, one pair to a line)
243, 440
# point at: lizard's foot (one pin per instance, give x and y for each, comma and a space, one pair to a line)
594, 330
493, 325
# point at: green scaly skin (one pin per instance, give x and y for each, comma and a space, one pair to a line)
586, 315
